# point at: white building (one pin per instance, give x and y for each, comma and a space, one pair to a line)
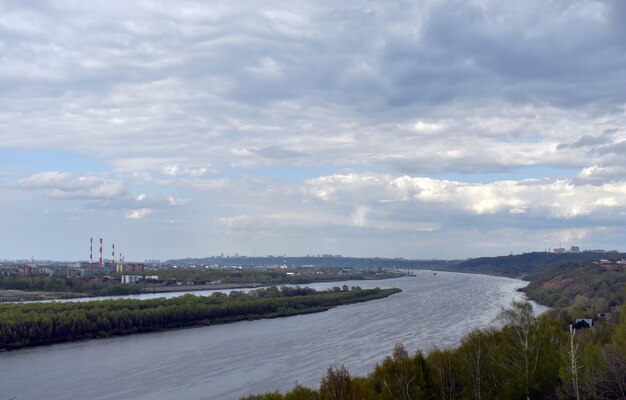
126, 279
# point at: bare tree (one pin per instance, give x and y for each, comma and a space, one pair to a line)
574, 365
337, 384
608, 380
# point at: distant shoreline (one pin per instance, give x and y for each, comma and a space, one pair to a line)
18, 296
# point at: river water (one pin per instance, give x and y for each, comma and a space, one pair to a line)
228, 361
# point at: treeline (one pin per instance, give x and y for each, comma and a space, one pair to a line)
528, 358
93, 287
44, 323
526, 264
102, 286
203, 276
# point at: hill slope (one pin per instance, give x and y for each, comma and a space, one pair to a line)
528, 264
585, 286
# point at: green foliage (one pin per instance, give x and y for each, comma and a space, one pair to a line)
274, 277
302, 393
528, 265
586, 288
42, 323
402, 376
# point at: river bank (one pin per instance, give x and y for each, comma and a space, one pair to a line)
118, 290
16, 296
36, 324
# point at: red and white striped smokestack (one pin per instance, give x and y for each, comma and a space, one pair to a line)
90, 251
100, 252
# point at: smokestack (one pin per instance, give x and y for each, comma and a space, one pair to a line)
90, 252
113, 257
100, 252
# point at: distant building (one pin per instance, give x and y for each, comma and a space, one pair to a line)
128, 279
574, 249
129, 267
583, 323
559, 250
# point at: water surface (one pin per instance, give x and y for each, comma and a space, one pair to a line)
228, 361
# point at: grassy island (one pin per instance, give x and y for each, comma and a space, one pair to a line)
35, 324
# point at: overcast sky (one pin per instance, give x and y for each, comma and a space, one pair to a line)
414, 129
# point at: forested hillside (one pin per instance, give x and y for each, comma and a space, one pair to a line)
522, 265
587, 288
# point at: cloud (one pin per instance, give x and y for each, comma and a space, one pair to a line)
472, 119
560, 199
139, 213
173, 201
353, 81
359, 216
278, 152
177, 170
65, 185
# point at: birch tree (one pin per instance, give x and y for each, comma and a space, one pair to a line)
574, 364
522, 343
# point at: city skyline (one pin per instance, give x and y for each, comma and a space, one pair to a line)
433, 129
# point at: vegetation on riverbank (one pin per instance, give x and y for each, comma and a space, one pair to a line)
42, 287
44, 323
527, 358
191, 278
281, 276
525, 265
583, 288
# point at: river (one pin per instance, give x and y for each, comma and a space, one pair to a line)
228, 361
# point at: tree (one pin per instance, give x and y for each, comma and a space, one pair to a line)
402, 377
445, 365
479, 372
570, 369
522, 343
336, 384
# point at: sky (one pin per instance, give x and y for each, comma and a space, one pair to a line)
418, 129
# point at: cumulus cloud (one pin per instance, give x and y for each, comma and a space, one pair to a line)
547, 198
